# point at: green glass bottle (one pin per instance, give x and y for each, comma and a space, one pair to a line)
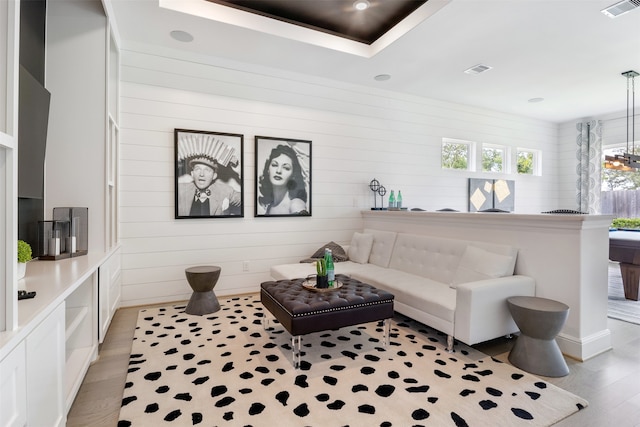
331, 272
392, 200
399, 200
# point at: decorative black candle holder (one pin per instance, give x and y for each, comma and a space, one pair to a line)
375, 186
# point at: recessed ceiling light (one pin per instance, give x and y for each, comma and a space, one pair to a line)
477, 69
181, 36
361, 4
382, 77
534, 100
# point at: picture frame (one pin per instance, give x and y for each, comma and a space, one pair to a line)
282, 177
491, 195
209, 179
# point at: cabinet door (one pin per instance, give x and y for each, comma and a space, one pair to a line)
115, 291
109, 292
13, 388
45, 371
104, 313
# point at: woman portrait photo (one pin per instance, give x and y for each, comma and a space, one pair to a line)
283, 177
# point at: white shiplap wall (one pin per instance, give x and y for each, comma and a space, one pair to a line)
357, 134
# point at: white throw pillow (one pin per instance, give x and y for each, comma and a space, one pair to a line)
479, 264
360, 247
383, 243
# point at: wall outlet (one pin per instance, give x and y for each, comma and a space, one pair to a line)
245, 265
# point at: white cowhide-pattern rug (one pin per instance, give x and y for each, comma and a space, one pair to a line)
225, 369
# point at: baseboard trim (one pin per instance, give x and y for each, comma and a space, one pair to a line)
585, 348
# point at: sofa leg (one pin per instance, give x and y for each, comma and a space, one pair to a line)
450, 343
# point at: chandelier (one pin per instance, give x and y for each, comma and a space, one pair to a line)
629, 160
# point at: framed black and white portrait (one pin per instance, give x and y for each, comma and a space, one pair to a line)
208, 174
283, 177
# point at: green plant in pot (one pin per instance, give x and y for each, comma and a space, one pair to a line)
24, 255
322, 280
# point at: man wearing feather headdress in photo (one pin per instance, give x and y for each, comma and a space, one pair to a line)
205, 194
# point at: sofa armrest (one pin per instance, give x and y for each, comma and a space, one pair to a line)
481, 307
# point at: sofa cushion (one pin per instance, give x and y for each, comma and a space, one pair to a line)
383, 242
360, 247
479, 264
421, 293
436, 258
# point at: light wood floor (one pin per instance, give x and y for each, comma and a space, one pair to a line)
610, 381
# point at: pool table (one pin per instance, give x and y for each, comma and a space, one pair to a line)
624, 247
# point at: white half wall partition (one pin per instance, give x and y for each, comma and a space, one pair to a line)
566, 254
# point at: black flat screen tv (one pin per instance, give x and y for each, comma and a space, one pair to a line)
33, 120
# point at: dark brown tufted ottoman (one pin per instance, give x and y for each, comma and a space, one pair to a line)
302, 311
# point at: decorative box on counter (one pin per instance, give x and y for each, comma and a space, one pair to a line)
77, 241
65, 236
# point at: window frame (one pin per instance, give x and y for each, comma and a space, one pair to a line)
471, 153
506, 164
536, 161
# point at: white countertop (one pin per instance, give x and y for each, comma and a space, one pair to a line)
494, 219
53, 282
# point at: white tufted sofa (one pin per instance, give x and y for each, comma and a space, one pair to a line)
458, 287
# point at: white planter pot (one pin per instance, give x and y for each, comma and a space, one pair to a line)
22, 269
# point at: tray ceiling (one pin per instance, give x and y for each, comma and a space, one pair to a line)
336, 17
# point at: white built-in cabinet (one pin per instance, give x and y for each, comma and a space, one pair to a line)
82, 163
47, 343
44, 362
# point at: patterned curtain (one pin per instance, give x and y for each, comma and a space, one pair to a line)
588, 169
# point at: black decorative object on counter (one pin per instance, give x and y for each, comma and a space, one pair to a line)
26, 295
65, 236
566, 211
379, 189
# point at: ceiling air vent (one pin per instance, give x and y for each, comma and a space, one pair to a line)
621, 8
480, 68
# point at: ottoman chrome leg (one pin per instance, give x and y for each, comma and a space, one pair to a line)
296, 349
386, 330
265, 323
